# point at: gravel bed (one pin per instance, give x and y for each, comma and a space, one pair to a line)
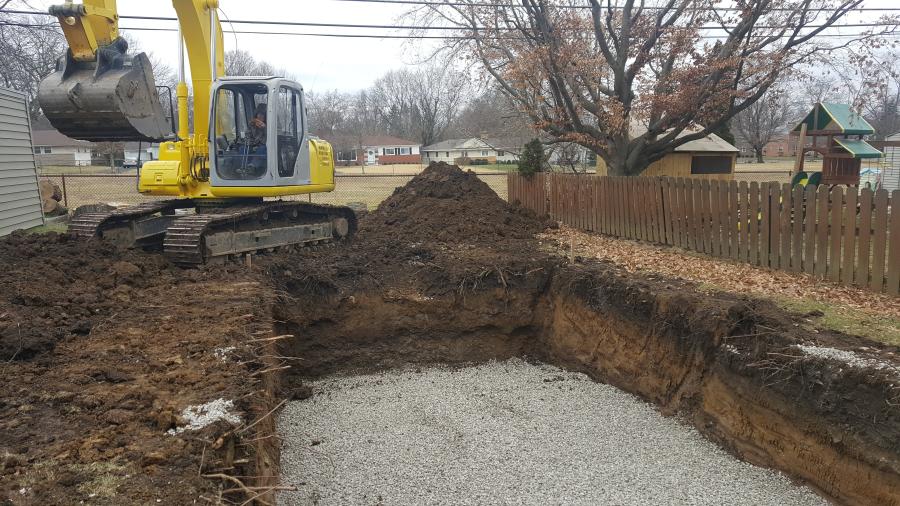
505, 433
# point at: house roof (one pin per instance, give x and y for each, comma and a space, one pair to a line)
54, 138
474, 143
350, 141
386, 140
859, 149
836, 117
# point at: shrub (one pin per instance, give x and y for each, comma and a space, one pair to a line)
532, 159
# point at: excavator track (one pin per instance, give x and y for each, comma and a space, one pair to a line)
90, 225
221, 232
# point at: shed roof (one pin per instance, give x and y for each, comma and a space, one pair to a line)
712, 143
859, 149
840, 118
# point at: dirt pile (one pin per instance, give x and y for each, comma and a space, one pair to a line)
445, 204
444, 229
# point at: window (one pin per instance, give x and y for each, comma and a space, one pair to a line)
347, 156
501, 153
711, 165
43, 149
37, 150
240, 155
484, 153
290, 131
447, 154
465, 154
388, 151
404, 151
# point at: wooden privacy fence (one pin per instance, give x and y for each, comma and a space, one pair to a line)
839, 234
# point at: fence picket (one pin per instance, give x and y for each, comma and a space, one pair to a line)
715, 214
879, 240
784, 227
753, 223
797, 229
849, 237
835, 233
893, 274
823, 205
765, 219
733, 229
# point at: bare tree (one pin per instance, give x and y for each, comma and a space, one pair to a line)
492, 113
422, 103
632, 81
765, 120
883, 110
328, 112
241, 63
30, 47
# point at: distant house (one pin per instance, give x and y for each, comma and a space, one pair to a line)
473, 150
143, 151
54, 148
375, 150
711, 157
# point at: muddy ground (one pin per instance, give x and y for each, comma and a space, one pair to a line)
101, 350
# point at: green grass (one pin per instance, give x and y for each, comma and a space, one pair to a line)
494, 167
59, 228
881, 328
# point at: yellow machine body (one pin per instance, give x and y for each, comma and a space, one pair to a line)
187, 167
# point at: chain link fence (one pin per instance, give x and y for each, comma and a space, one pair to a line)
359, 189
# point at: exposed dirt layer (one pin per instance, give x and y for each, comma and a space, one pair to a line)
102, 352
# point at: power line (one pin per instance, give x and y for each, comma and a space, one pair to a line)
614, 7
436, 37
426, 27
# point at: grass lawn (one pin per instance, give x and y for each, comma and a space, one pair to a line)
51, 227
883, 328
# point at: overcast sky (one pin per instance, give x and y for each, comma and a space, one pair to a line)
318, 63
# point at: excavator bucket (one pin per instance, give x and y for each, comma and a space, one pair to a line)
112, 99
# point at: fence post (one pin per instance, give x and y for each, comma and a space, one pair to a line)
65, 194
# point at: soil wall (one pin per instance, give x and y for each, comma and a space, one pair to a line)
723, 364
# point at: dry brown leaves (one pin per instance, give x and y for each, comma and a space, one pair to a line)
722, 274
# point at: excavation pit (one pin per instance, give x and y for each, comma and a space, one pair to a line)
505, 432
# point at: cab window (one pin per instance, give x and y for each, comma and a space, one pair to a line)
289, 130
240, 131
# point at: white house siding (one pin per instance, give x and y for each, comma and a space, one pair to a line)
20, 201
890, 178
468, 148
64, 156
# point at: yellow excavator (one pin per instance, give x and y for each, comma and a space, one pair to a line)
249, 142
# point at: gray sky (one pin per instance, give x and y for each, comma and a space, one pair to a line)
318, 63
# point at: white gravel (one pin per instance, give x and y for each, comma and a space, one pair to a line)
505, 433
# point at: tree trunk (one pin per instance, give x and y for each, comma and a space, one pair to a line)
759, 154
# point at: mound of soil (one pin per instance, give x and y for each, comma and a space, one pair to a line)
443, 230
445, 204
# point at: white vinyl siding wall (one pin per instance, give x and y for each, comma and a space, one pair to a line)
20, 202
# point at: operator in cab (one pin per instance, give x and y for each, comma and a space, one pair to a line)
256, 140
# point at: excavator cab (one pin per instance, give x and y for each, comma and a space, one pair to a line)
247, 154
